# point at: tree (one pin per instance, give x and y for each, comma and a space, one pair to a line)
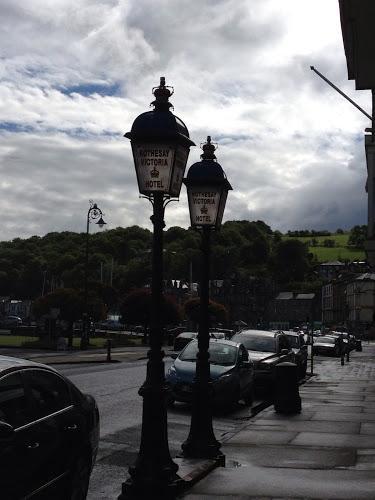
357, 236
70, 304
136, 308
217, 312
292, 261
67, 301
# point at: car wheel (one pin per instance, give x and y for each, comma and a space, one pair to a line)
80, 479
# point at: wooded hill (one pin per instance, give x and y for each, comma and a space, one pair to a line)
120, 258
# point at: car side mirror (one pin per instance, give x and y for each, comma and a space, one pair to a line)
6, 430
284, 352
173, 355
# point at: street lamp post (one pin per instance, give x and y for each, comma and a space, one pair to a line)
207, 190
160, 144
94, 214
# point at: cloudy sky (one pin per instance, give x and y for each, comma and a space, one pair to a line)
75, 74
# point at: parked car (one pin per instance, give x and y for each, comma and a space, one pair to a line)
183, 339
109, 324
228, 334
10, 321
231, 371
299, 348
216, 334
49, 433
266, 350
172, 333
327, 345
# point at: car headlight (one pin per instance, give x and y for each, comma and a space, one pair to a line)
172, 372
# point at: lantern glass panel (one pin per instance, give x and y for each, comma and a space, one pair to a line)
182, 153
154, 166
223, 200
204, 201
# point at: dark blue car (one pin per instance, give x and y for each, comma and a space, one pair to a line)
231, 373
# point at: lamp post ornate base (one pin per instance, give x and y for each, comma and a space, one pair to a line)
154, 474
201, 442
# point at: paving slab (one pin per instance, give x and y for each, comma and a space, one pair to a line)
311, 425
290, 457
264, 482
251, 437
367, 428
342, 416
335, 440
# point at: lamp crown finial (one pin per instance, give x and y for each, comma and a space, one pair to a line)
208, 150
162, 94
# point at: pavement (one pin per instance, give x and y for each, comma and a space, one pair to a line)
325, 452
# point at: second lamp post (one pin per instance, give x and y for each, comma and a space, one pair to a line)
207, 189
94, 214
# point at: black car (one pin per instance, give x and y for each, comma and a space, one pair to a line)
231, 373
49, 433
266, 350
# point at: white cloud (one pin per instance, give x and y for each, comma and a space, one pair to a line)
73, 77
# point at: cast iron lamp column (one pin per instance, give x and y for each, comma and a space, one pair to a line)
207, 189
93, 214
160, 143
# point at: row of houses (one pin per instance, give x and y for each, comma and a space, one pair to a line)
349, 300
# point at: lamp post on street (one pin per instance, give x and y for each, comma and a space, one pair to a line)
207, 190
94, 214
160, 144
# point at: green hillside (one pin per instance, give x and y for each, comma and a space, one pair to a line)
340, 250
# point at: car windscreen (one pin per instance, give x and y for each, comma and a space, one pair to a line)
326, 340
255, 343
220, 354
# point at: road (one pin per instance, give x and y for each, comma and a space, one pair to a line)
115, 388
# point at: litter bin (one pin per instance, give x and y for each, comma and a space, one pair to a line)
287, 398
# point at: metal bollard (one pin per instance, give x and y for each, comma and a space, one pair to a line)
342, 359
287, 398
109, 346
347, 356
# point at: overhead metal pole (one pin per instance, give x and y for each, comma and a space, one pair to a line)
341, 92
